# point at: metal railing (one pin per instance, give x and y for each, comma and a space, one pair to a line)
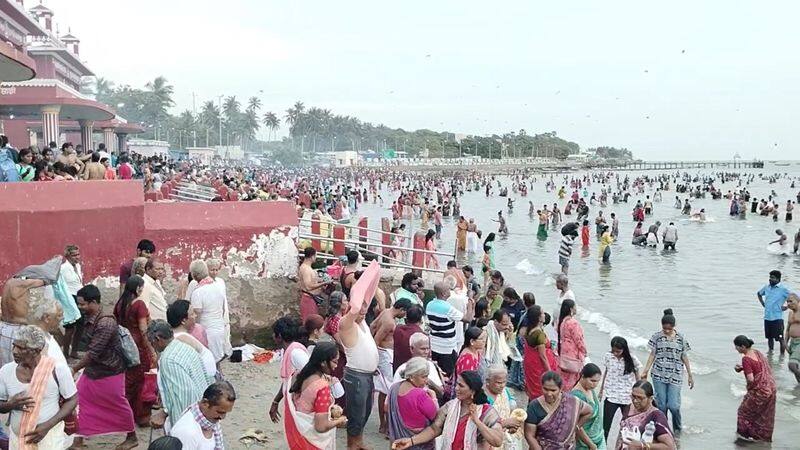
372, 245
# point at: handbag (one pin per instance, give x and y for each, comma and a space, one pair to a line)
570, 365
128, 348
71, 421
149, 392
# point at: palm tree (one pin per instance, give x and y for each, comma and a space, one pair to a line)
294, 118
209, 117
254, 104
162, 91
271, 122
99, 88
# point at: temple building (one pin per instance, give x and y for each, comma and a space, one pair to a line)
41, 73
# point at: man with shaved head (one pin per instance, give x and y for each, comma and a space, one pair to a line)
443, 318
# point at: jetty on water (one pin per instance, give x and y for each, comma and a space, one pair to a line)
678, 165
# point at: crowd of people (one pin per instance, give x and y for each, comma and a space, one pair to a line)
99, 376
482, 367
478, 365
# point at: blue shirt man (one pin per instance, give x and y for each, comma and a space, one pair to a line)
773, 298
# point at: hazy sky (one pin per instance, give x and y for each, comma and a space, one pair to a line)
699, 80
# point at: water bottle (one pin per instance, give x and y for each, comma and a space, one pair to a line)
649, 431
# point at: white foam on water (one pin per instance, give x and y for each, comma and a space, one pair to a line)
693, 429
737, 390
777, 249
528, 268
699, 369
609, 327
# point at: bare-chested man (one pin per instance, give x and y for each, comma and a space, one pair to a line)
310, 284
94, 170
14, 309
382, 329
793, 333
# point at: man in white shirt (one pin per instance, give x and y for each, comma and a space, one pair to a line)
670, 236
443, 319
72, 274
564, 292
152, 292
458, 298
199, 427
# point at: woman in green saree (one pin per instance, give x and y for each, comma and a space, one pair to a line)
593, 437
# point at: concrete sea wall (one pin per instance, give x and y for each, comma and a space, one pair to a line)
255, 240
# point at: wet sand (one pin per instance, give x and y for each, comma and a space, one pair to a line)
256, 385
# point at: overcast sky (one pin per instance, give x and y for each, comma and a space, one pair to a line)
700, 80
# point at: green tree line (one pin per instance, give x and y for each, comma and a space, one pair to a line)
311, 130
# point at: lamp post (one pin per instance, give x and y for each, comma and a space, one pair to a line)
219, 97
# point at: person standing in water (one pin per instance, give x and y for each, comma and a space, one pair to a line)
605, 245
793, 334
668, 357
501, 228
614, 226
773, 298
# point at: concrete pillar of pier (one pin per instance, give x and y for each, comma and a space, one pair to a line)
87, 128
50, 123
109, 140
122, 143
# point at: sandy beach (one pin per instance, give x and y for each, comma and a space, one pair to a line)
256, 386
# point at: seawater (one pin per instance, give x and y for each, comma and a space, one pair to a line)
710, 282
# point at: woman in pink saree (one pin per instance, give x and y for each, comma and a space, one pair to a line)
310, 423
755, 420
430, 245
571, 345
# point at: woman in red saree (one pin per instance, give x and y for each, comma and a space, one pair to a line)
537, 357
310, 424
756, 416
131, 312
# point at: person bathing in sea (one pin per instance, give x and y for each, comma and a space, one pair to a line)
501, 229
793, 333
797, 241
700, 216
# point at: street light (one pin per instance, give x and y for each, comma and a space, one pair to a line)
220, 119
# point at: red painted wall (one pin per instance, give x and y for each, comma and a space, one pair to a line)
17, 132
107, 218
186, 231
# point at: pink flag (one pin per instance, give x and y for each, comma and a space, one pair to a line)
364, 288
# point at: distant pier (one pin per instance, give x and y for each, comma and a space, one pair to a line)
678, 165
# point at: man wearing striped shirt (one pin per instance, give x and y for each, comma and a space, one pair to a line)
565, 251
443, 318
181, 378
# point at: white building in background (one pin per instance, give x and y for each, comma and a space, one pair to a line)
229, 151
345, 158
204, 154
578, 157
148, 147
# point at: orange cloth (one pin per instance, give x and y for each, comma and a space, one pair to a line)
41, 375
